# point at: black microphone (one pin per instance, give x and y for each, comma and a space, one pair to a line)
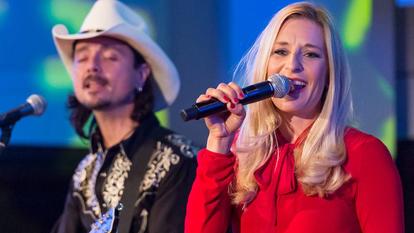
35, 105
276, 85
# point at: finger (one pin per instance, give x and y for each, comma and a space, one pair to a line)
217, 94
230, 93
236, 109
237, 89
202, 98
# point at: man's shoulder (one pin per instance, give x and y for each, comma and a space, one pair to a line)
87, 161
181, 145
172, 157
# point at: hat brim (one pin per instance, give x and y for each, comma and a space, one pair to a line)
164, 72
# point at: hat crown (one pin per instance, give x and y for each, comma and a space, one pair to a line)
106, 14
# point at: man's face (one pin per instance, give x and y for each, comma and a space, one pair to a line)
104, 76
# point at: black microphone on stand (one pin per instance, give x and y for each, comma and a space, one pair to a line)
35, 105
276, 86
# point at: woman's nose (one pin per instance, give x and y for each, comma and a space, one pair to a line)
294, 64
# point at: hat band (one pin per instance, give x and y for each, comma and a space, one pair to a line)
91, 30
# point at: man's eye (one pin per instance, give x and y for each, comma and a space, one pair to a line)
111, 58
80, 59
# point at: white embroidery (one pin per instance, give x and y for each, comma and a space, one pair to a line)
84, 181
160, 164
114, 183
185, 145
162, 159
144, 221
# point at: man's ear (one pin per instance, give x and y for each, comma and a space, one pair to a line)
144, 72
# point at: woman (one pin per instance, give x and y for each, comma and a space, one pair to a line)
295, 165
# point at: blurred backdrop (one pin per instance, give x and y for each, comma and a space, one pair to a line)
205, 39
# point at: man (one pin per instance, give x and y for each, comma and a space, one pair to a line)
119, 77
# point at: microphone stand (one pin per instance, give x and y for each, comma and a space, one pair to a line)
5, 136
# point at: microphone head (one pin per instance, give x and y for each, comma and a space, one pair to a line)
281, 85
38, 104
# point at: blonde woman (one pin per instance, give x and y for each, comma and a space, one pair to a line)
293, 164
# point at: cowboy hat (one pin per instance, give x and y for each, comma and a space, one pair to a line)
112, 18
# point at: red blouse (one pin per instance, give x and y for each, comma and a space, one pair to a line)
371, 202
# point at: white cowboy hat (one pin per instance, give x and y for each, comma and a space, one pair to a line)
114, 19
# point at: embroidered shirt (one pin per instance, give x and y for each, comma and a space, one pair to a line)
98, 183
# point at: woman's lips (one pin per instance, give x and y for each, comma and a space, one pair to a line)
298, 84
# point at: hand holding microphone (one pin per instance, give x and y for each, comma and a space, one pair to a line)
222, 107
276, 86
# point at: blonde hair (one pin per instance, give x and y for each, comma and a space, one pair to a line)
319, 158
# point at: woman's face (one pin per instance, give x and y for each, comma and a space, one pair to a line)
299, 52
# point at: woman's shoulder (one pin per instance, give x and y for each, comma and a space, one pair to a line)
356, 139
363, 150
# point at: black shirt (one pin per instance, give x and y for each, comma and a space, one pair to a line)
98, 182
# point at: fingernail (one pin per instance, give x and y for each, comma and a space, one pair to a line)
235, 100
226, 98
232, 105
241, 95
208, 96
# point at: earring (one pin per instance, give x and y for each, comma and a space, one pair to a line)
139, 89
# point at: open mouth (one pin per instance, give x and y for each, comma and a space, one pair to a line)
298, 85
91, 81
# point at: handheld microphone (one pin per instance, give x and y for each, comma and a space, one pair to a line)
35, 105
276, 86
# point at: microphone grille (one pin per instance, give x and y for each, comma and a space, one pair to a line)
38, 104
281, 85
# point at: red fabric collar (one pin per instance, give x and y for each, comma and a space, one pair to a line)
280, 162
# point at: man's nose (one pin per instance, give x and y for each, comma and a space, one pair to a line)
94, 65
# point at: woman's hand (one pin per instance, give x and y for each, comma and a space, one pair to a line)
223, 126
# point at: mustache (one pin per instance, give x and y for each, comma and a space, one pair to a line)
94, 78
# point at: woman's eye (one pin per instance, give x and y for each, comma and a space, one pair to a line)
312, 55
281, 52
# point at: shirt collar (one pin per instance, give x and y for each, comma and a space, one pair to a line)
129, 144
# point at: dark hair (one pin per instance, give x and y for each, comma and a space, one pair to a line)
143, 103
